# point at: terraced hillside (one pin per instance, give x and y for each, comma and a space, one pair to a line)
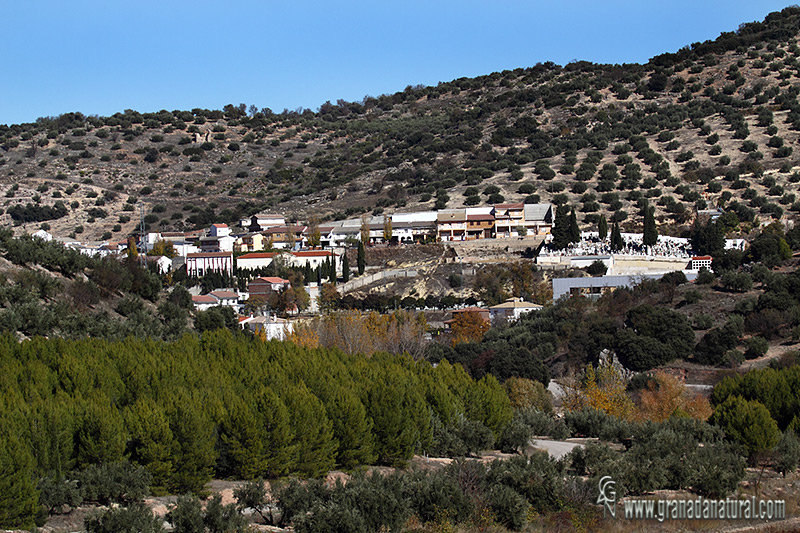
715, 123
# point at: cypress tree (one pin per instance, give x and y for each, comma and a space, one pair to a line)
617, 243
345, 268
602, 227
650, 236
362, 258
574, 231
561, 228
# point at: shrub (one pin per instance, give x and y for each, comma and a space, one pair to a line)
597, 268
737, 281
508, 506
756, 347
138, 518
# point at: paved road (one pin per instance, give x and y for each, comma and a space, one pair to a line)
556, 448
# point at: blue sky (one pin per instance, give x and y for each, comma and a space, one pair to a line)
101, 57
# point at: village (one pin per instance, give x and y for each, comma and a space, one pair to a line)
244, 256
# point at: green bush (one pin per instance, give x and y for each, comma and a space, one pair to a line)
509, 507
137, 518
747, 422
756, 347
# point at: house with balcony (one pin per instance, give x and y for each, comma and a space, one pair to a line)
250, 242
288, 237
508, 218
480, 227
451, 224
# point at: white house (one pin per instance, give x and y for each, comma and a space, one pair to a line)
255, 260
42, 234
512, 309
219, 230
701, 261
272, 326
226, 298
314, 258
162, 262
215, 243
202, 302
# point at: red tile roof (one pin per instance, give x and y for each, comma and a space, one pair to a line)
258, 255
224, 294
480, 217
271, 279
204, 299
220, 225
312, 253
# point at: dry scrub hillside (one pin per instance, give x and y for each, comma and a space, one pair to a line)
714, 124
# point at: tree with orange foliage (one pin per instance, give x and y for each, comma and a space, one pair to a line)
355, 332
665, 396
468, 326
303, 334
603, 388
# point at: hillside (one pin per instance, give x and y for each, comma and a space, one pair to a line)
714, 123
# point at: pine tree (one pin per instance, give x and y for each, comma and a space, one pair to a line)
345, 268
314, 445
244, 448
151, 441
195, 454
362, 258
650, 236
602, 227
617, 243
351, 427
100, 437
274, 418
19, 500
574, 231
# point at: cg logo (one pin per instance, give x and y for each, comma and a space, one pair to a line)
608, 495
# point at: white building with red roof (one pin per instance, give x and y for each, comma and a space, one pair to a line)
255, 260
202, 302
313, 258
